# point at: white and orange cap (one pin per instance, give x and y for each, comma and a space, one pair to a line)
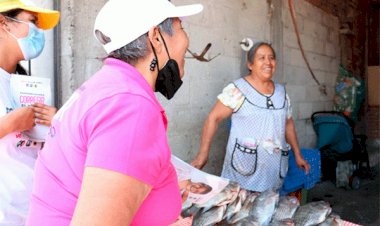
46, 18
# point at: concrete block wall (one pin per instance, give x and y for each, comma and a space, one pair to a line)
223, 23
319, 35
80, 54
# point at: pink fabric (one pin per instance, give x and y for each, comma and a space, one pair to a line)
113, 121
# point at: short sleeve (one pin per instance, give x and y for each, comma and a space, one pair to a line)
289, 113
231, 97
126, 134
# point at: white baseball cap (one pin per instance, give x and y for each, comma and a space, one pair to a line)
122, 21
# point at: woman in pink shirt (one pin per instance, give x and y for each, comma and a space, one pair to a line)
107, 159
22, 26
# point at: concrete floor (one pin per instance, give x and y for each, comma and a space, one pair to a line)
360, 206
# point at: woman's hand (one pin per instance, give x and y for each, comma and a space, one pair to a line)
200, 160
18, 120
302, 163
44, 113
21, 119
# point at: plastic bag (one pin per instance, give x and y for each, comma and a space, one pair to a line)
16, 180
349, 93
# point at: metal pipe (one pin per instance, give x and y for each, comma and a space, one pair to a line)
57, 59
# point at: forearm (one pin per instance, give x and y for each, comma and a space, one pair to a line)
209, 129
108, 198
5, 128
18, 120
291, 137
217, 114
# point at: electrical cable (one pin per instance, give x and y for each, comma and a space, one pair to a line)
322, 88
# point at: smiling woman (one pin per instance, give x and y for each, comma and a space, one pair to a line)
21, 38
262, 126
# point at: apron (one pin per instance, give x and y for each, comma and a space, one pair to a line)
257, 153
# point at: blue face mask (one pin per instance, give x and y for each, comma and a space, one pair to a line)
32, 45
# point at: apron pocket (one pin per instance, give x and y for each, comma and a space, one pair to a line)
284, 162
244, 159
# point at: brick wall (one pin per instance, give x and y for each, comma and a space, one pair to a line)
373, 127
358, 18
373, 117
352, 15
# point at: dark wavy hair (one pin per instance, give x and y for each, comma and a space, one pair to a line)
12, 13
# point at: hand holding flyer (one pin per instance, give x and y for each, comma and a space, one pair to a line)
44, 113
197, 186
26, 91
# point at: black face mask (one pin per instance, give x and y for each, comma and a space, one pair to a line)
169, 78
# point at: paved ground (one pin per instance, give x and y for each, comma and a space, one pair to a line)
360, 206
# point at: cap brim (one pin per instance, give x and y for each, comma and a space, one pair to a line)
165, 9
187, 10
47, 19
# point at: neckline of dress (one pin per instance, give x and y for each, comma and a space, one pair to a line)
262, 94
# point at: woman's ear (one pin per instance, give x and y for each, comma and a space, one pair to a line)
3, 24
2, 19
155, 39
249, 66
